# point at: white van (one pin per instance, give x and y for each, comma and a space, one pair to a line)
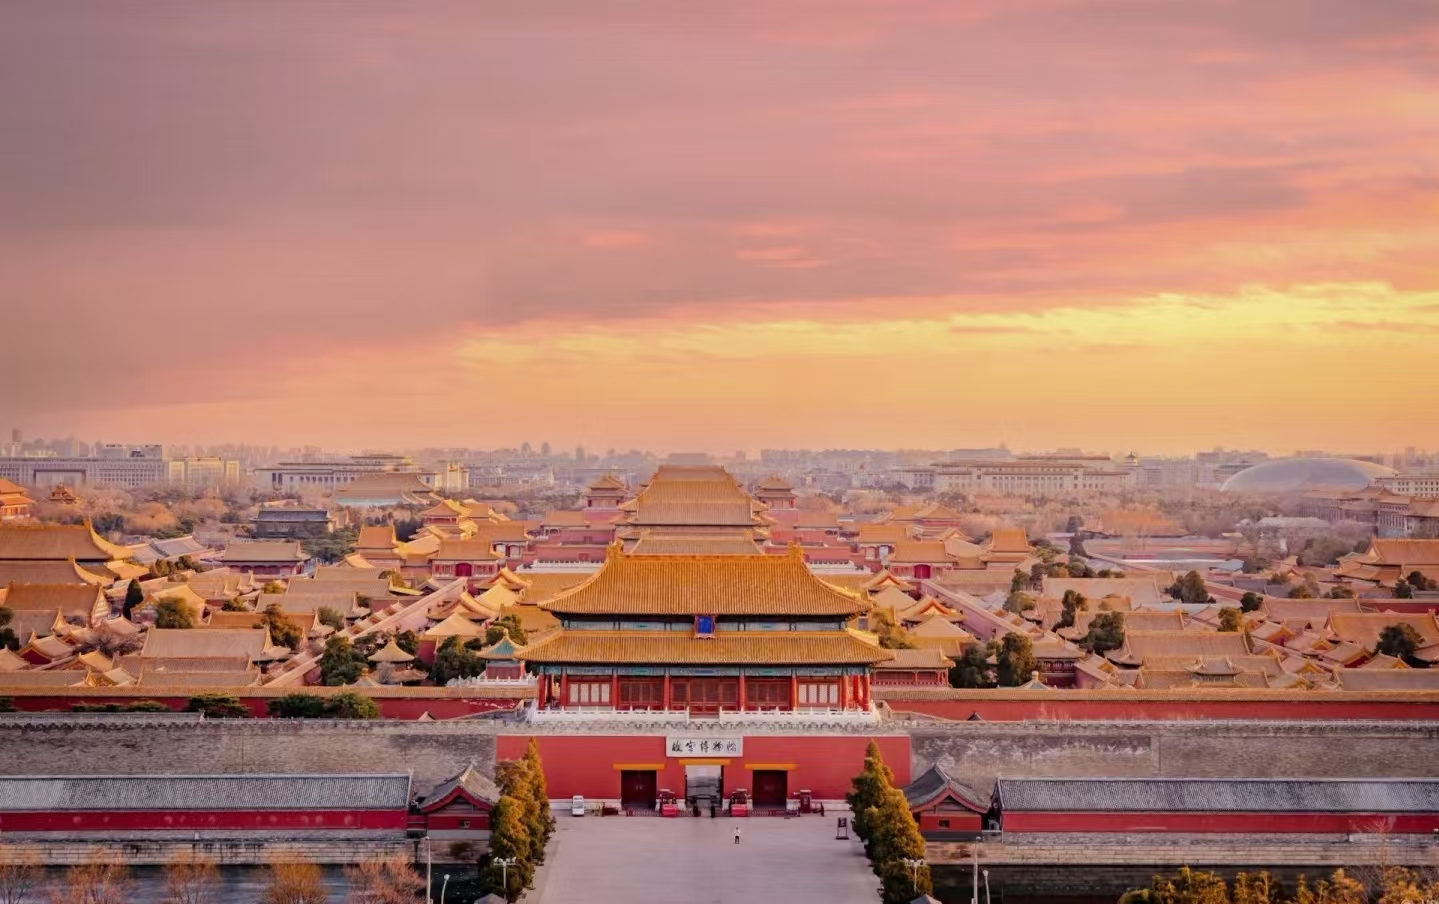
577, 805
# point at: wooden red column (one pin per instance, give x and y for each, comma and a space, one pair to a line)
615, 690
564, 690
742, 703
667, 691
793, 692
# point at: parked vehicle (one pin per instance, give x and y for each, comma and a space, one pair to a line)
577, 805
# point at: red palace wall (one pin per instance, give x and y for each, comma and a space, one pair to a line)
408, 708
1113, 707
958, 822
1235, 823
259, 820
591, 764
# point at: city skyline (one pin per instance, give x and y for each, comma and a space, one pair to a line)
1082, 223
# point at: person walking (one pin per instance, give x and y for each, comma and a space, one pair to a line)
736, 834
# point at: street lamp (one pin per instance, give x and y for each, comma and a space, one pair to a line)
443, 886
505, 864
914, 866
986, 888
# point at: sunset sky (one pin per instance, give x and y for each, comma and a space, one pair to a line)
1115, 224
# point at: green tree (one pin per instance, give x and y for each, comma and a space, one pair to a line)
282, 631
1020, 581
1230, 620
509, 839
1250, 602
900, 884
894, 838
330, 617
297, 706
1014, 659
891, 635
134, 596
513, 779
273, 587
1419, 581
1190, 589
1071, 604
340, 664
1078, 568
455, 659
508, 623
1403, 589
971, 669
1106, 632
893, 833
8, 639
540, 791
350, 705
333, 546
868, 788
7, 705
173, 613
218, 706
408, 641
1400, 641
235, 605
1019, 602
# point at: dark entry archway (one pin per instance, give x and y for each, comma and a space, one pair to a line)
638, 788
771, 788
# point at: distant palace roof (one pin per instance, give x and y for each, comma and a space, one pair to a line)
674, 544
697, 496
705, 585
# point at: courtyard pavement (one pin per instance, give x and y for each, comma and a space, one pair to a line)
649, 860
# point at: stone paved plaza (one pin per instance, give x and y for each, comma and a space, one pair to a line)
625, 860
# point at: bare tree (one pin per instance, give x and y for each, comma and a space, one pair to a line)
295, 882
103, 880
192, 879
19, 876
385, 879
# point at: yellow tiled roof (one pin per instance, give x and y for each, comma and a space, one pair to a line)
1406, 553
57, 541
466, 550
705, 585
739, 648
740, 543
699, 496
72, 599
46, 571
545, 585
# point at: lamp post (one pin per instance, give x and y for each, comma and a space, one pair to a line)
429, 872
974, 899
443, 885
986, 888
914, 865
505, 864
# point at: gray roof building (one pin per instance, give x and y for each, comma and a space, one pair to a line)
356, 791
1196, 795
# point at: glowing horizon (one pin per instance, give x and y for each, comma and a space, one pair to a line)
1057, 223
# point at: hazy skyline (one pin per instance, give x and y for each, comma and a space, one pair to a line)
1110, 224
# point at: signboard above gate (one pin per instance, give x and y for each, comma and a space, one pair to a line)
704, 745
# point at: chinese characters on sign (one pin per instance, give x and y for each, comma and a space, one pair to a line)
704, 745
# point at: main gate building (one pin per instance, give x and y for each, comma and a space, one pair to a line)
704, 634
